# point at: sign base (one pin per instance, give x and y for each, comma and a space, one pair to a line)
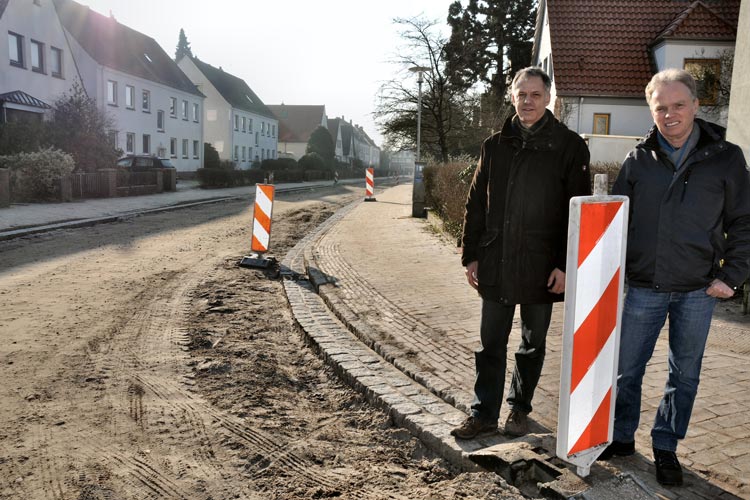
370, 199
257, 261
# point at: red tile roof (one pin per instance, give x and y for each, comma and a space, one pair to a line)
602, 47
297, 122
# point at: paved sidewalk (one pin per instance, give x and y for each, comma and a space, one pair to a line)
26, 218
401, 285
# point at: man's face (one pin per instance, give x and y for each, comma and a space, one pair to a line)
673, 110
530, 98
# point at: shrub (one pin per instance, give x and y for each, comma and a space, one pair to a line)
611, 168
21, 137
215, 177
276, 164
210, 156
312, 161
446, 188
36, 176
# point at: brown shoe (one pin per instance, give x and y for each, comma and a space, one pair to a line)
517, 424
473, 426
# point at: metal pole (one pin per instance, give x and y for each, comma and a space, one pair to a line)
419, 113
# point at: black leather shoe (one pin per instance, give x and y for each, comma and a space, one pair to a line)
668, 470
617, 448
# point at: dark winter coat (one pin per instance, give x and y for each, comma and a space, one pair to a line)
516, 217
678, 218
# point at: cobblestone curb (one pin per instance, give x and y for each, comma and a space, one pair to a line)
409, 403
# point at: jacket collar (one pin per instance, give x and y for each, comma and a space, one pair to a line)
544, 139
711, 136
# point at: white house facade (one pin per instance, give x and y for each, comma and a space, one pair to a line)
154, 107
236, 121
36, 63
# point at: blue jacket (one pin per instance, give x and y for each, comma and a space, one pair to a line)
679, 218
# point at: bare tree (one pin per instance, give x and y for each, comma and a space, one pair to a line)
443, 107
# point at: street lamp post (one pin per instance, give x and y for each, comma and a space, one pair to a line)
418, 194
419, 70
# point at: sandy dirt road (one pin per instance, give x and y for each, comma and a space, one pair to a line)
138, 361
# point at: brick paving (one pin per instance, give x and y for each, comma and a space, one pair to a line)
401, 287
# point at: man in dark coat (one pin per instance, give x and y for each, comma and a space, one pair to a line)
514, 246
688, 244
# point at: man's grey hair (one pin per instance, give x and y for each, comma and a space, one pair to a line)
668, 76
532, 71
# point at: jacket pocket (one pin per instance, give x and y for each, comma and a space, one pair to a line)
489, 258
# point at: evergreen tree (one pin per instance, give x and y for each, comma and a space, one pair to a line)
321, 142
490, 41
183, 47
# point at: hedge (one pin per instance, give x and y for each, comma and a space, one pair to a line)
36, 176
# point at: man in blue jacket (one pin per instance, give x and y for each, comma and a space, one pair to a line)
688, 245
514, 246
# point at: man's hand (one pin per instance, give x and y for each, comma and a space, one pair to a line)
719, 289
471, 274
556, 281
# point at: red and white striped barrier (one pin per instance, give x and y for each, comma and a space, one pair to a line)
369, 184
262, 218
597, 233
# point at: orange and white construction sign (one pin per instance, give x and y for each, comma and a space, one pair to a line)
262, 213
370, 182
597, 234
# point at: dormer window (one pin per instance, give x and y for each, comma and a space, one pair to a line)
147, 58
249, 99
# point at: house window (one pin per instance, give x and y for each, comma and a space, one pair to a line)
262, 128
15, 49
601, 124
37, 56
244, 151
273, 134
160, 120
184, 110
236, 153
146, 104
256, 138
130, 142
243, 124
236, 122
129, 97
172, 106
111, 93
56, 62
196, 149
146, 143
249, 153
195, 112
173, 147
250, 125
113, 138
707, 74
184, 148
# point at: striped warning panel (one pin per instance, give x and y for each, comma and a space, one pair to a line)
262, 217
370, 182
591, 333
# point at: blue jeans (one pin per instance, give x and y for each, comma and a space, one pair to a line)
643, 316
497, 321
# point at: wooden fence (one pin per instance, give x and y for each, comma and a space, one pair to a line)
109, 183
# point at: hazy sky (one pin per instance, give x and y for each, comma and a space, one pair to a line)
332, 52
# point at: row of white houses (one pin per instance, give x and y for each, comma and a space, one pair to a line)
157, 106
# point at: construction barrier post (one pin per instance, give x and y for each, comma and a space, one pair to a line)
597, 233
261, 236
370, 184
